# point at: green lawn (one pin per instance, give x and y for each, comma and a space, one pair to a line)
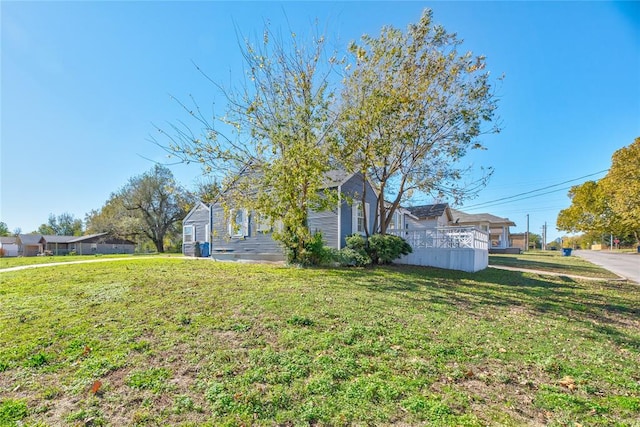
9, 262
187, 342
552, 261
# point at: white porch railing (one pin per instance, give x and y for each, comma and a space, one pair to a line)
445, 237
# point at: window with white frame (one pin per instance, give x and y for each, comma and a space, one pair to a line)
358, 220
263, 224
239, 223
188, 234
207, 233
396, 221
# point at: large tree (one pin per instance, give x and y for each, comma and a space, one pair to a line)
611, 205
276, 139
150, 205
62, 225
622, 188
4, 230
413, 105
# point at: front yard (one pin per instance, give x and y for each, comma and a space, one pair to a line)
185, 342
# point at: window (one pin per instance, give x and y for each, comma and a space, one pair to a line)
188, 234
239, 223
396, 221
357, 224
263, 224
207, 233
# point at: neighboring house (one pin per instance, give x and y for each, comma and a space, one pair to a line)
9, 246
30, 244
429, 216
93, 244
519, 241
241, 234
497, 227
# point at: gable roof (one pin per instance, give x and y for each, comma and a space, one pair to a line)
8, 240
335, 177
429, 211
460, 217
30, 239
197, 207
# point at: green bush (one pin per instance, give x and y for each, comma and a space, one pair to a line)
347, 257
315, 252
383, 249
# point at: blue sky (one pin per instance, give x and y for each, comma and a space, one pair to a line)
83, 84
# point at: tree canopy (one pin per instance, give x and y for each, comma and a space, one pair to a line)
274, 156
412, 107
4, 229
150, 205
611, 205
62, 225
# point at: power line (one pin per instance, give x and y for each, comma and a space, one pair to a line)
534, 191
483, 205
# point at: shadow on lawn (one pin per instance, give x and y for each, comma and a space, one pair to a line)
595, 305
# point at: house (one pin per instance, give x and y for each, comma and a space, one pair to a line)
93, 244
9, 246
30, 244
241, 234
497, 227
429, 216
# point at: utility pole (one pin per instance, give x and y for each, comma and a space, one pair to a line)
526, 236
544, 236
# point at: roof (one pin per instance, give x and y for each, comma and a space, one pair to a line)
335, 177
58, 239
428, 211
7, 240
460, 217
77, 239
30, 239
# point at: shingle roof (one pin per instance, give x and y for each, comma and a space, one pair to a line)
88, 236
428, 211
7, 240
335, 177
463, 218
58, 239
30, 239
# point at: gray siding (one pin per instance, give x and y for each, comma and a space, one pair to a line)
353, 188
252, 243
101, 248
325, 222
199, 218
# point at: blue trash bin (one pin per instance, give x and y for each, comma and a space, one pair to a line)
566, 251
204, 249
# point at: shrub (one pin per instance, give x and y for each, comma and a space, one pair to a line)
383, 249
347, 257
315, 252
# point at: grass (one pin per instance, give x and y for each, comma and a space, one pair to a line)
8, 262
551, 261
178, 342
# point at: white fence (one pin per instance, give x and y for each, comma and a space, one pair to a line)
454, 248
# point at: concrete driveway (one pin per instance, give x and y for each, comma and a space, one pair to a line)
623, 264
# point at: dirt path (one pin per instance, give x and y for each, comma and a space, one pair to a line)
551, 273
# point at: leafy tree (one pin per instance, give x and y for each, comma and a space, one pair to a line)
412, 108
275, 156
114, 218
622, 188
611, 205
534, 240
155, 203
4, 230
62, 225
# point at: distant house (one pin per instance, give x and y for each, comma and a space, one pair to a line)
497, 227
93, 244
30, 244
242, 234
9, 246
429, 216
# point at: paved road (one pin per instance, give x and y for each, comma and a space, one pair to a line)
623, 264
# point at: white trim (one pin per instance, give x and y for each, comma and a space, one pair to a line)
192, 234
242, 229
339, 216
